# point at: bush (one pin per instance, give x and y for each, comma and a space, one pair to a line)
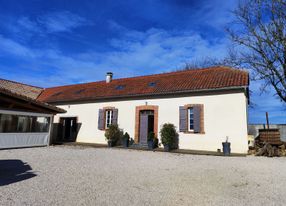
113, 133
168, 134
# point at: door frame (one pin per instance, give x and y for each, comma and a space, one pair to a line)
143, 134
154, 108
61, 120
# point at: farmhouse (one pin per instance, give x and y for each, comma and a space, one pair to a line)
206, 106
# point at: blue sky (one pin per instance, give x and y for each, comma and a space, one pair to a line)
49, 43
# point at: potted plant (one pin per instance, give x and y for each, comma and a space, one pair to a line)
125, 140
168, 136
131, 141
113, 134
152, 141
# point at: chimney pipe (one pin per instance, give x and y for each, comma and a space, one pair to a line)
109, 77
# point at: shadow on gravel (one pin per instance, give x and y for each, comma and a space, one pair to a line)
14, 170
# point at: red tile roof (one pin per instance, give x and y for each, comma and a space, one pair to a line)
158, 84
27, 93
22, 89
28, 100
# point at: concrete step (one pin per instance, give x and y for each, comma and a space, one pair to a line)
142, 146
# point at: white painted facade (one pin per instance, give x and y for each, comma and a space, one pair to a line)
224, 115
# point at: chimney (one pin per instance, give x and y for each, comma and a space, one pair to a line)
109, 77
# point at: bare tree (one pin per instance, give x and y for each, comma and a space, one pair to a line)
204, 62
259, 37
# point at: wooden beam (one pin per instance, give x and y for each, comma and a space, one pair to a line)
267, 120
23, 104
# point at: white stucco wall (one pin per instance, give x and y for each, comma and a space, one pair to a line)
224, 115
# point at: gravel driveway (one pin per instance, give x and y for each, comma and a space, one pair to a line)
101, 176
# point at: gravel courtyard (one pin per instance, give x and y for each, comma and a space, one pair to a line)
65, 175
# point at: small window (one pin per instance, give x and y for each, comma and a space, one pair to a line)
191, 119
108, 118
120, 87
57, 94
79, 91
152, 84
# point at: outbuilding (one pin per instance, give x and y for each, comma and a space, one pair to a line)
24, 120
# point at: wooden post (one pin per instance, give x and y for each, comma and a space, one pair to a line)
267, 120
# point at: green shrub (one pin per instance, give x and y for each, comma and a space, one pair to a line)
113, 133
168, 134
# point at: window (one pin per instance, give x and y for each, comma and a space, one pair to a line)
152, 84
79, 91
108, 118
56, 94
191, 119
23, 124
120, 87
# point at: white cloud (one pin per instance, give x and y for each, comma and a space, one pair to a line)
217, 13
133, 53
50, 22
266, 102
61, 21
27, 24
11, 47
163, 50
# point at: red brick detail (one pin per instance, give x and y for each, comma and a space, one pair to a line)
137, 119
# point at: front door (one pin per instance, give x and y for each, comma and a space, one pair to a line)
143, 128
69, 128
146, 125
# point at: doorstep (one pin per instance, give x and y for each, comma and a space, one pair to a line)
185, 151
95, 145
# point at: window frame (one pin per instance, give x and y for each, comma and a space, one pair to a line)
20, 123
108, 115
202, 119
189, 109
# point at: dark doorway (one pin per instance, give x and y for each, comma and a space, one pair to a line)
68, 128
146, 125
